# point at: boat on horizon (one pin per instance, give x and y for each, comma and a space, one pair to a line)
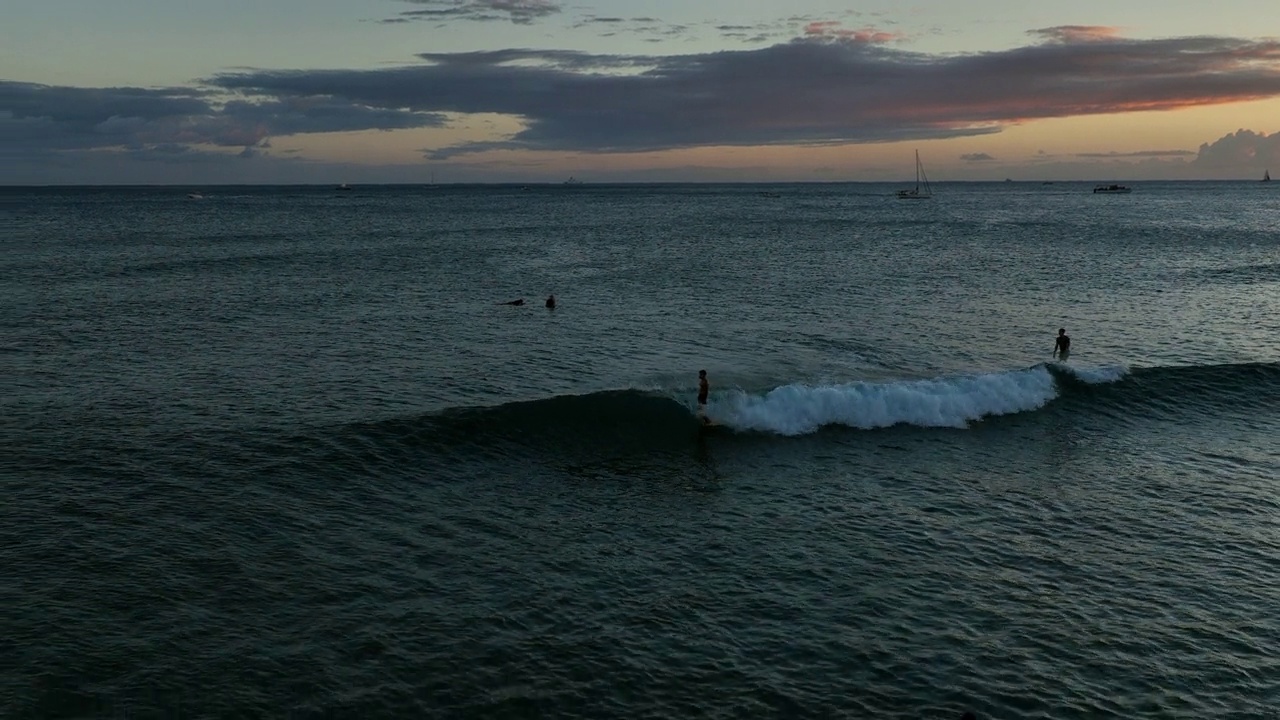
1111, 190
1266, 176
343, 186
916, 193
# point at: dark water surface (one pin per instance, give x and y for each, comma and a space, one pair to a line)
280, 452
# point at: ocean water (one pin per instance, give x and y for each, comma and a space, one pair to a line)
282, 452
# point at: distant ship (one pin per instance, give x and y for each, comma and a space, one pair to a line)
1266, 176
1111, 190
343, 186
572, 181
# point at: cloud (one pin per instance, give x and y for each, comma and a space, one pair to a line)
976, 157
652, 29
824, 88
175, 154
69, 118
1068, 34
1243, 148
832, 29
814, 90
320, 114
754, 34
36, 118
1137, 154
521, 12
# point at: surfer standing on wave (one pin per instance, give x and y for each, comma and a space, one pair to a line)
1062, 347
704, 388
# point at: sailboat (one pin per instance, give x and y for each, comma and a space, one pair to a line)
916, 193
1266, 176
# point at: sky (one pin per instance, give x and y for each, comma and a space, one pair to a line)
524, 91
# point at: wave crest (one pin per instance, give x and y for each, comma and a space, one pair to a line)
799, 409
645, 422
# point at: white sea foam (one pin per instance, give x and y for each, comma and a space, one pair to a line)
939, 402
1095, 376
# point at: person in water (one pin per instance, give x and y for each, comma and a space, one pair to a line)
551, 302
703, 389
1062, 347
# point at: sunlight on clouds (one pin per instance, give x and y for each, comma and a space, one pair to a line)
1066, 148
400, 147
1044, 149
1069, 95
1175, 129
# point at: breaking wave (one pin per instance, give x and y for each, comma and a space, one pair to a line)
639, 422
800, 409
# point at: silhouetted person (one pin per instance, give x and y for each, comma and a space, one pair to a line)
551, 302
704, 389
1062, 347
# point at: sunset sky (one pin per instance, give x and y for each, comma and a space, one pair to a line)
362, 91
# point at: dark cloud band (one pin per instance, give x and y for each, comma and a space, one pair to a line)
841, 90
521, 12
817, 90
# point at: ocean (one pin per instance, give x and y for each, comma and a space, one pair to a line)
285, 452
